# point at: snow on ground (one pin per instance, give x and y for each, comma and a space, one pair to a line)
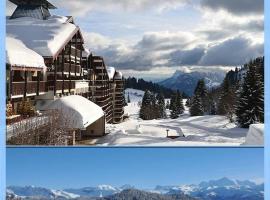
200, 130
255, 135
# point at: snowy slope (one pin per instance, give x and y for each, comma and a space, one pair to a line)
200, 130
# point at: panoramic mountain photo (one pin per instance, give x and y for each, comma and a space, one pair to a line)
144, 73
135, 174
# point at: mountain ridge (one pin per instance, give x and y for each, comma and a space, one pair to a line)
187, 81
220, 189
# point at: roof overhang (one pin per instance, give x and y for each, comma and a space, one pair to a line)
43, 3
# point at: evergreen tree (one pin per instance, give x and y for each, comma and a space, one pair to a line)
161, 106
174, 113
196, 108
173, 100
179, 103
201, 91
146, 106
227, 98
250, 107
154, 114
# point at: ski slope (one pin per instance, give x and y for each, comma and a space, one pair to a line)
207, 130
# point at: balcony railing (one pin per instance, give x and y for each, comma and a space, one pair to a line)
73, 68
18, 88
60, 84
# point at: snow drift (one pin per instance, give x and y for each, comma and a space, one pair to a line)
255, 135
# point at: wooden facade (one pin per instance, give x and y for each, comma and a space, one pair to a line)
69, 72
118, 111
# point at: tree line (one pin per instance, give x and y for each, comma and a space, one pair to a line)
240, 97
141, 84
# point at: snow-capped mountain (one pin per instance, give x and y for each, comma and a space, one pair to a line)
38, 192
186, 82
221, 189
99, 191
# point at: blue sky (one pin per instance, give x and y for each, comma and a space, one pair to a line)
141, 167
153, 38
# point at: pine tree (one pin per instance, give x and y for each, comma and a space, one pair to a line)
227, 98
154, 108
174, 113
201, 91
147, 107
196, 108
179, 103
250, 106
161, 106
173, 100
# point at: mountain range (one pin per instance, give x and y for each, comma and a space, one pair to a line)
221, 189
187, 81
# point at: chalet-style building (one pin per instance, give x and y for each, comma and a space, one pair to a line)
47, 60
24, 71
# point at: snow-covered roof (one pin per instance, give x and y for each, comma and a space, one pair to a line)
79, 111
118, 75
19, 56
111, 72
46, 37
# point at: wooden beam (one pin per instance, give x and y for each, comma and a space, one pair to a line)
69, 75
25, 84
55, 77
38, 82
10, 92
63, 81
76, 37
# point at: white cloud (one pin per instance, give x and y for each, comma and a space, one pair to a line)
82, 7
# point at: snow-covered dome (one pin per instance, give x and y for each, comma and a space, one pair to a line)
79, 111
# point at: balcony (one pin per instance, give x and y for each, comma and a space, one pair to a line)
81, 87
60, 84
73, 68
18, 88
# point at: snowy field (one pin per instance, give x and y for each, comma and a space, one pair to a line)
200, 130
